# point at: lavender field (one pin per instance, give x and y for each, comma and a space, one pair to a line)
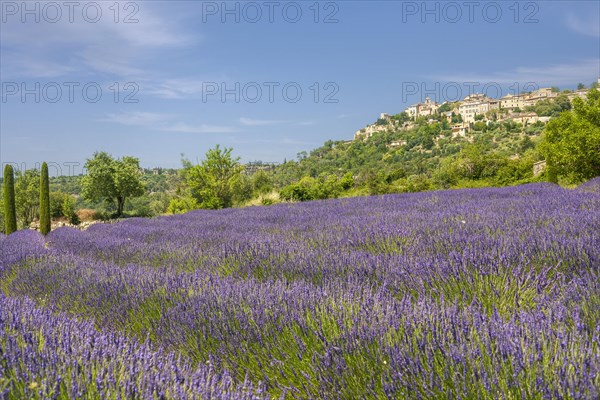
486, 293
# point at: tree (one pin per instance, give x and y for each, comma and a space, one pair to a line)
56, 202
571, 142
525, 144
45, 224
113, 180
10, 213
401, 118
445, 107
212, 183
27, 196
262, 182
181, 205
580, 86
347, 181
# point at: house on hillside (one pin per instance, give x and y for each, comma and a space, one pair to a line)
521, 101
525, 118
371, 129
460, 129
581, 93
511, 102
447, 116
398, 143
532, 98
476, 104
427, 108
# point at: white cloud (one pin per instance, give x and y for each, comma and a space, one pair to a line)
296, 142
202, 128
259, 122
555, 75
267, 122
175, 88
164, 123
42, 49
588, 25
21, 64
146, 119
277, 142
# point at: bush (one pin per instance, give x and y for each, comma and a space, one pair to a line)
262, 182
296, 192
376, 183
347, 181
243, 189
308, 188
182, 205
267, 201
61, 204
87, 215
68, 210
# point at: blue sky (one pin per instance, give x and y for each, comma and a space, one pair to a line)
178, 66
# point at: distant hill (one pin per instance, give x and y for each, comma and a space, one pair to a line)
394, 159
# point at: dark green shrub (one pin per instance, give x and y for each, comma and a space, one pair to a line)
45, 222
10, 211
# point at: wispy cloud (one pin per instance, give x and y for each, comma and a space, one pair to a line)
202, 128
164, 123
259, 122
23, 65
588, 25
557, 74
267, 122
285, 141
137, 118
175, 88
64, 48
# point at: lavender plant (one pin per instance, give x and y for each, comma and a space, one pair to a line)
487, 293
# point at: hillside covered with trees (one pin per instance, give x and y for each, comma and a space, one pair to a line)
428, 156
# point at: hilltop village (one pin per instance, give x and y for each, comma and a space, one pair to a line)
475, 108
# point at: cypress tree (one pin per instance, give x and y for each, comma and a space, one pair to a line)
10, 211
45, 223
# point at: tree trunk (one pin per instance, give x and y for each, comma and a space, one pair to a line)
120, 205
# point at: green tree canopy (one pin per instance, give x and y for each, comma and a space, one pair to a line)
212, 183
110, 179
571, 142
27, 195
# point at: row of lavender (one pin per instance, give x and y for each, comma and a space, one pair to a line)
476, 293
56, 356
